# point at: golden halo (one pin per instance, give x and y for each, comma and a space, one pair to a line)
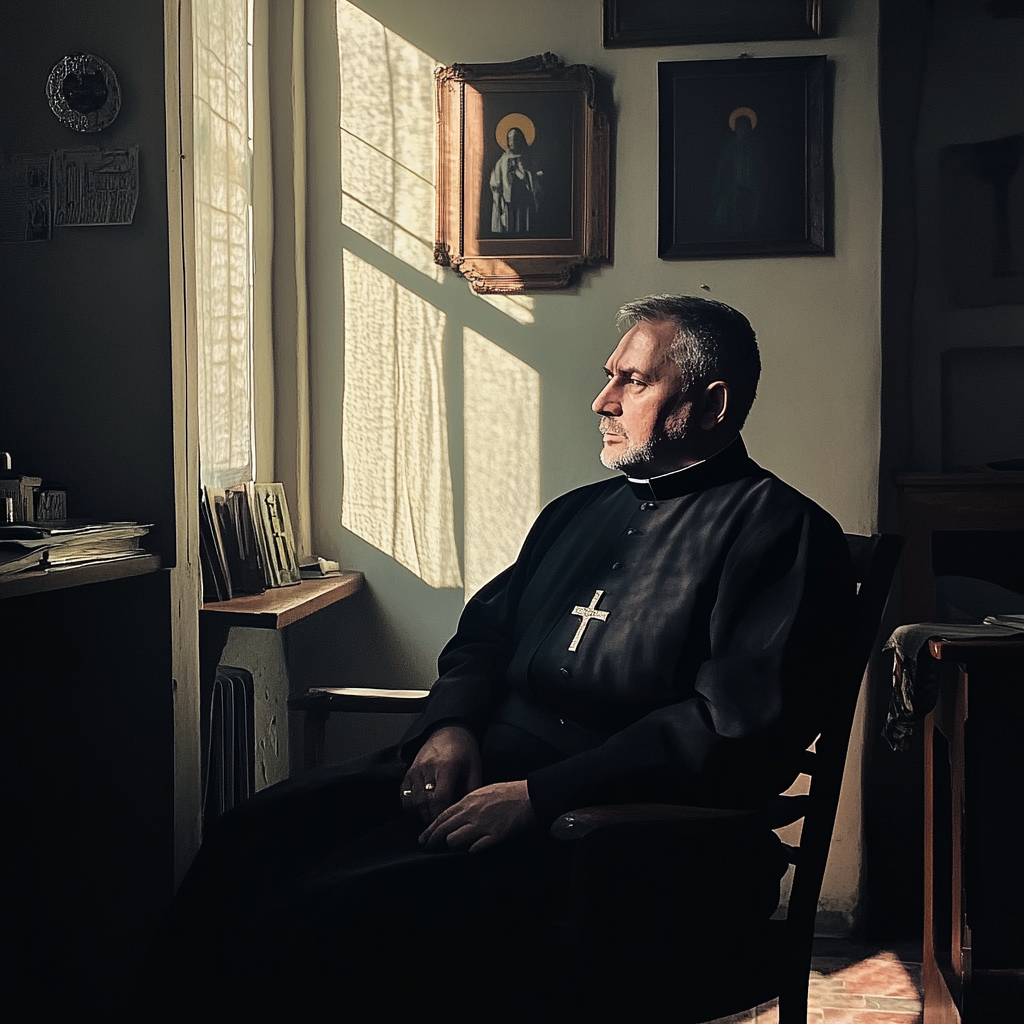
742, 112
510, 121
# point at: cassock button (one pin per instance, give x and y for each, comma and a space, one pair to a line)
632, 532
565, 671
648, 506
616, 565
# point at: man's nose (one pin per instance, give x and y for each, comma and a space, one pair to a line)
607, 403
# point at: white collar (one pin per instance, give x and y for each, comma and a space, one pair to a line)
676, 472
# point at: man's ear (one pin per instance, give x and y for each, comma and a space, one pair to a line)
716, 404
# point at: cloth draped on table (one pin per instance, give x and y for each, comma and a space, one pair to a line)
916, 676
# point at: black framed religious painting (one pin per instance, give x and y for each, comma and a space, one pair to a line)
675, 23
522, 173
742, 157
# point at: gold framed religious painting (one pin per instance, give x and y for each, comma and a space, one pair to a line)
523, 173
744, 157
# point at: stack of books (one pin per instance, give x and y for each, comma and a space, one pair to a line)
68, 542
246, 542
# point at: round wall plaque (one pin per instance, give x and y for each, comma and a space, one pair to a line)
83, 92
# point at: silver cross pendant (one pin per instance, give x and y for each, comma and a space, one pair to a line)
586, 616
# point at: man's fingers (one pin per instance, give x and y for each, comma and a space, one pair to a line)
423, 793
462, 837
483, 843
440, 797
448, 821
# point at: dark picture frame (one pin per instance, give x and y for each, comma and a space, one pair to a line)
742, 157
671, 23
523, 170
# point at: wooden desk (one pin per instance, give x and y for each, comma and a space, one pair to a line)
974, 835
37, 581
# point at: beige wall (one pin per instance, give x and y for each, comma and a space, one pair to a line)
815, 423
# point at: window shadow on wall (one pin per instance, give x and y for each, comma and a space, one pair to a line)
397, 479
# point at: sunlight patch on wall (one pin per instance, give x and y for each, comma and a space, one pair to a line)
387, 139
502, 460
396, 478
519, 307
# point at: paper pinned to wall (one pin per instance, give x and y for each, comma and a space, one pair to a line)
25, 213
93, 186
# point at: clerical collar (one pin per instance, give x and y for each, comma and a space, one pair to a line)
730, 463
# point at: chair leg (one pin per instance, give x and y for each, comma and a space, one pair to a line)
314, 738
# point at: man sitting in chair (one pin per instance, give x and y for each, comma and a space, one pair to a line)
662, 637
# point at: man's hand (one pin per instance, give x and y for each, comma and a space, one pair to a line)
482, 818
446, 769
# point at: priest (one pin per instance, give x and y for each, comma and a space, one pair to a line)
661, 637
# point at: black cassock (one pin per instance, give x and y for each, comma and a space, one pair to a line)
721, 594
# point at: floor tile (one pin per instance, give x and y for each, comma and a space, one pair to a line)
838, 1016
870, 987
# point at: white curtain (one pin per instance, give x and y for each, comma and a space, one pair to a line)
223, 237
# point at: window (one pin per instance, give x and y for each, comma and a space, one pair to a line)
222, 119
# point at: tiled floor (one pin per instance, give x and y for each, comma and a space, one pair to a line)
853, 984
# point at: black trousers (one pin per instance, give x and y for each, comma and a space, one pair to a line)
314, 900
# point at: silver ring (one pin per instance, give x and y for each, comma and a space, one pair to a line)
428, 786
406, 792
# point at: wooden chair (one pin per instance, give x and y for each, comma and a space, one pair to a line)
624, 855
635, 845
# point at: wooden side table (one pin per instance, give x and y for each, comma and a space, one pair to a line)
974, 837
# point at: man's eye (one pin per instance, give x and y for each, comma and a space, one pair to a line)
639, 383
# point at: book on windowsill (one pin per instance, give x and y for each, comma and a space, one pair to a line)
318, 568
270, 510
235, 526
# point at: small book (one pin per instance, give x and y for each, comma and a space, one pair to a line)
317, 568
234, 524
212, 561
14, 558
282, 567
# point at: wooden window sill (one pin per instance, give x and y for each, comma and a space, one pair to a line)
281, 606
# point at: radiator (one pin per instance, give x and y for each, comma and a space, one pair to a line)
228, 741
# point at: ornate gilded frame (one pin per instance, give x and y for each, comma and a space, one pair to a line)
573, 228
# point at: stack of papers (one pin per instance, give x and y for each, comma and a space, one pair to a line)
68, 542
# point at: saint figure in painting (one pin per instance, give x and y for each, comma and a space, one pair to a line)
515, 182
737, 183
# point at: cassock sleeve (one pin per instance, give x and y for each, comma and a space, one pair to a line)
785, 595
473, 666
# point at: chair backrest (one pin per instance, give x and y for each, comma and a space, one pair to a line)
874, 565
606, 836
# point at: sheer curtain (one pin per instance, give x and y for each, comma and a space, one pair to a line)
222, 115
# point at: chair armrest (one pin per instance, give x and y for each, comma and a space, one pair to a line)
359, 698
772, 814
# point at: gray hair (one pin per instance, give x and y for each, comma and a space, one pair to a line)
713, 341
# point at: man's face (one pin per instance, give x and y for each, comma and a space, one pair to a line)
644, 413
516, 141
